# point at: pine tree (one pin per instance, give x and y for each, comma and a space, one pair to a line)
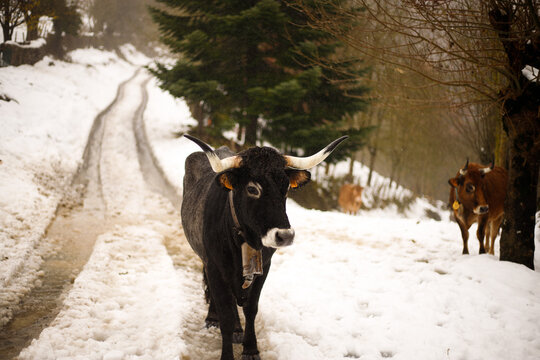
257, 63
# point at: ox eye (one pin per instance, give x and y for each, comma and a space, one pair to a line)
470, 188
253, 190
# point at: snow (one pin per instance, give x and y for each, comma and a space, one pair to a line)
44, 132
119, 306
372, 286
531, 73
32, 44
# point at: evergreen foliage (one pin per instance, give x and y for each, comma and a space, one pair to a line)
258, 64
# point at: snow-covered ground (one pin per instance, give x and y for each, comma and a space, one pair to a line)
372, 286
44, 131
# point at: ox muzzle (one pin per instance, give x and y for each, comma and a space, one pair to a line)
277, 238
481, 209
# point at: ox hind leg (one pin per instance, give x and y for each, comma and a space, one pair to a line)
212, 318
494, 231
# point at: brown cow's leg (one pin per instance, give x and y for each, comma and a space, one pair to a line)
482, 223
487, 237
495, 225
464, 235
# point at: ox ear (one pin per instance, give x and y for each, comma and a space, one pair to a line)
453, 182
298, 178
226, 179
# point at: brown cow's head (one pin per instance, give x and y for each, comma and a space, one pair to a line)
356, 197
468, 188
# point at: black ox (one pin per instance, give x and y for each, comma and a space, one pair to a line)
233, 215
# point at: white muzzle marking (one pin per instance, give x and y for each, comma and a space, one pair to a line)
277, 238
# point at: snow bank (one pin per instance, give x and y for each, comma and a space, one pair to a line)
44, 132
166, 118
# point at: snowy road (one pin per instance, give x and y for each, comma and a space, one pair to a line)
131, 223
374, 286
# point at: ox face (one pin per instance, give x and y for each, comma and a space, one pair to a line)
469, 188
357, 197
260, 186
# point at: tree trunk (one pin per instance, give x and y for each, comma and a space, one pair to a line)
251, 130
373, 155
197, 112
240, 132
522, 123
32, 33
6, 30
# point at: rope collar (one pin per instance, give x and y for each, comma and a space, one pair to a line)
251, 258
237, 227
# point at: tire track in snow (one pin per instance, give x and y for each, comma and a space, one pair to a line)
116, 197
72, 233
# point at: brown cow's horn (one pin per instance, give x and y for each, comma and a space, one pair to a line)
464, 170
487, 169
304, 163
217, 164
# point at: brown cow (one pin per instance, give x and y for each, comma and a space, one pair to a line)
350, 198
477, 195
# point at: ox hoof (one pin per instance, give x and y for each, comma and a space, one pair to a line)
251, 357
238, 337
211, 323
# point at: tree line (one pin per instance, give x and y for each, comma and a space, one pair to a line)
419, 85
108, 23
446, 78
258, 67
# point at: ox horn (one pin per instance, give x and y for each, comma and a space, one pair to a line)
487, 169
217, 164
464, 170
304, 163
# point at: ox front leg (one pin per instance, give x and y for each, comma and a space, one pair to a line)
487, 237
212, 319
464, 235
480, 233
222, 297
494, 231
251, 351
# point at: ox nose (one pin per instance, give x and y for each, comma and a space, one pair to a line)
278, 237
482, 209
284, 237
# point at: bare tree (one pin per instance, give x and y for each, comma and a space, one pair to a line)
481, 50
13, 13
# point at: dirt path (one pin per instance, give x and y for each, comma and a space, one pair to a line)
117, 147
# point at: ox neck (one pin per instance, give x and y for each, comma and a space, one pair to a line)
251, 258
